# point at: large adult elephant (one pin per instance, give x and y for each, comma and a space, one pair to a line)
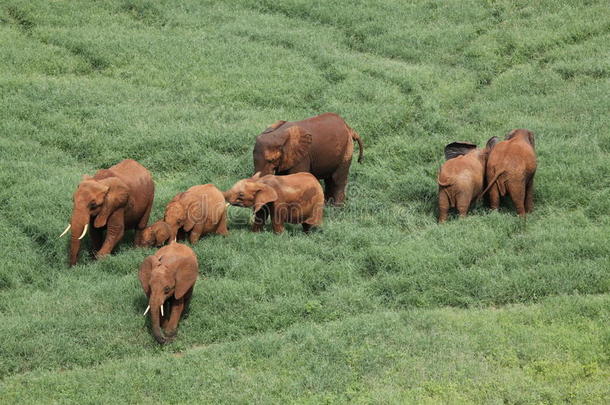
320, 145
113, 200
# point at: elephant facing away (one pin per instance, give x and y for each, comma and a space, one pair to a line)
320, 145
113, 200
461, 178
294, 198
198, 211
168, 278
511, 167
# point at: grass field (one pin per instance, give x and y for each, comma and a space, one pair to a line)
382, 305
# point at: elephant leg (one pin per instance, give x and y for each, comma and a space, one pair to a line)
115, 230
443, 206
463, 204
516, 190
277, 222
221, 229
174, 318
195, 233
141, 225
494, 197
340, 184
529, 195
97, 238
259, 219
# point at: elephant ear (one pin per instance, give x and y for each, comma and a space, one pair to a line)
511, 135
185, 279
295, 147
274, 126
456, 149
116, 198
530, 137
265, 195
491, 143
146, 271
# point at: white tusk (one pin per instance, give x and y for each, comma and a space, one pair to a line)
227, 205
66, 231
147, 308
84, 232
162, 310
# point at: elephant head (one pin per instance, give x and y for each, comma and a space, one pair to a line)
524, 133
183, 212
156, 234
162, 279
278, 149
250, 193
97, 200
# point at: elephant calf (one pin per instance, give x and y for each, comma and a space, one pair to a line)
168, 278
200, 210
511, 168
158, 234
295, 198
460, 179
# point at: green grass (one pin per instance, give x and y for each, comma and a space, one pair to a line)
380, 305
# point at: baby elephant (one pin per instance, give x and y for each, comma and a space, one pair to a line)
294, 198
460, 179
168, 278
158, 234
200, 210
510, 170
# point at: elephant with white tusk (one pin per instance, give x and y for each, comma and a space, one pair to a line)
113, 200
168, 276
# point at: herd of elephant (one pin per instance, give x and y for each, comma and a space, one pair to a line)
289, 158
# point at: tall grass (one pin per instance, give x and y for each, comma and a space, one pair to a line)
380, 304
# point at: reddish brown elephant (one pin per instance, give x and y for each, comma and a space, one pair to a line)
511, 167
320, 145
113, 200
460, 179
198, 211
295, 198
168, 278
158, 234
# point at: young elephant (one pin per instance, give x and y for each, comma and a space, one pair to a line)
295, 198
320, 145
113, 200
460, 179
511, 167
158, 234
199, 210
168, 278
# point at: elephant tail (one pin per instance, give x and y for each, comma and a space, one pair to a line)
491, 183
357, 138
441, 183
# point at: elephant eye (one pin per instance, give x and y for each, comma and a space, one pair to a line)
166, 290
241, 194
92, 205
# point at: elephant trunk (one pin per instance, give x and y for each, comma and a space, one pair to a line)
155, 315
78, 225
